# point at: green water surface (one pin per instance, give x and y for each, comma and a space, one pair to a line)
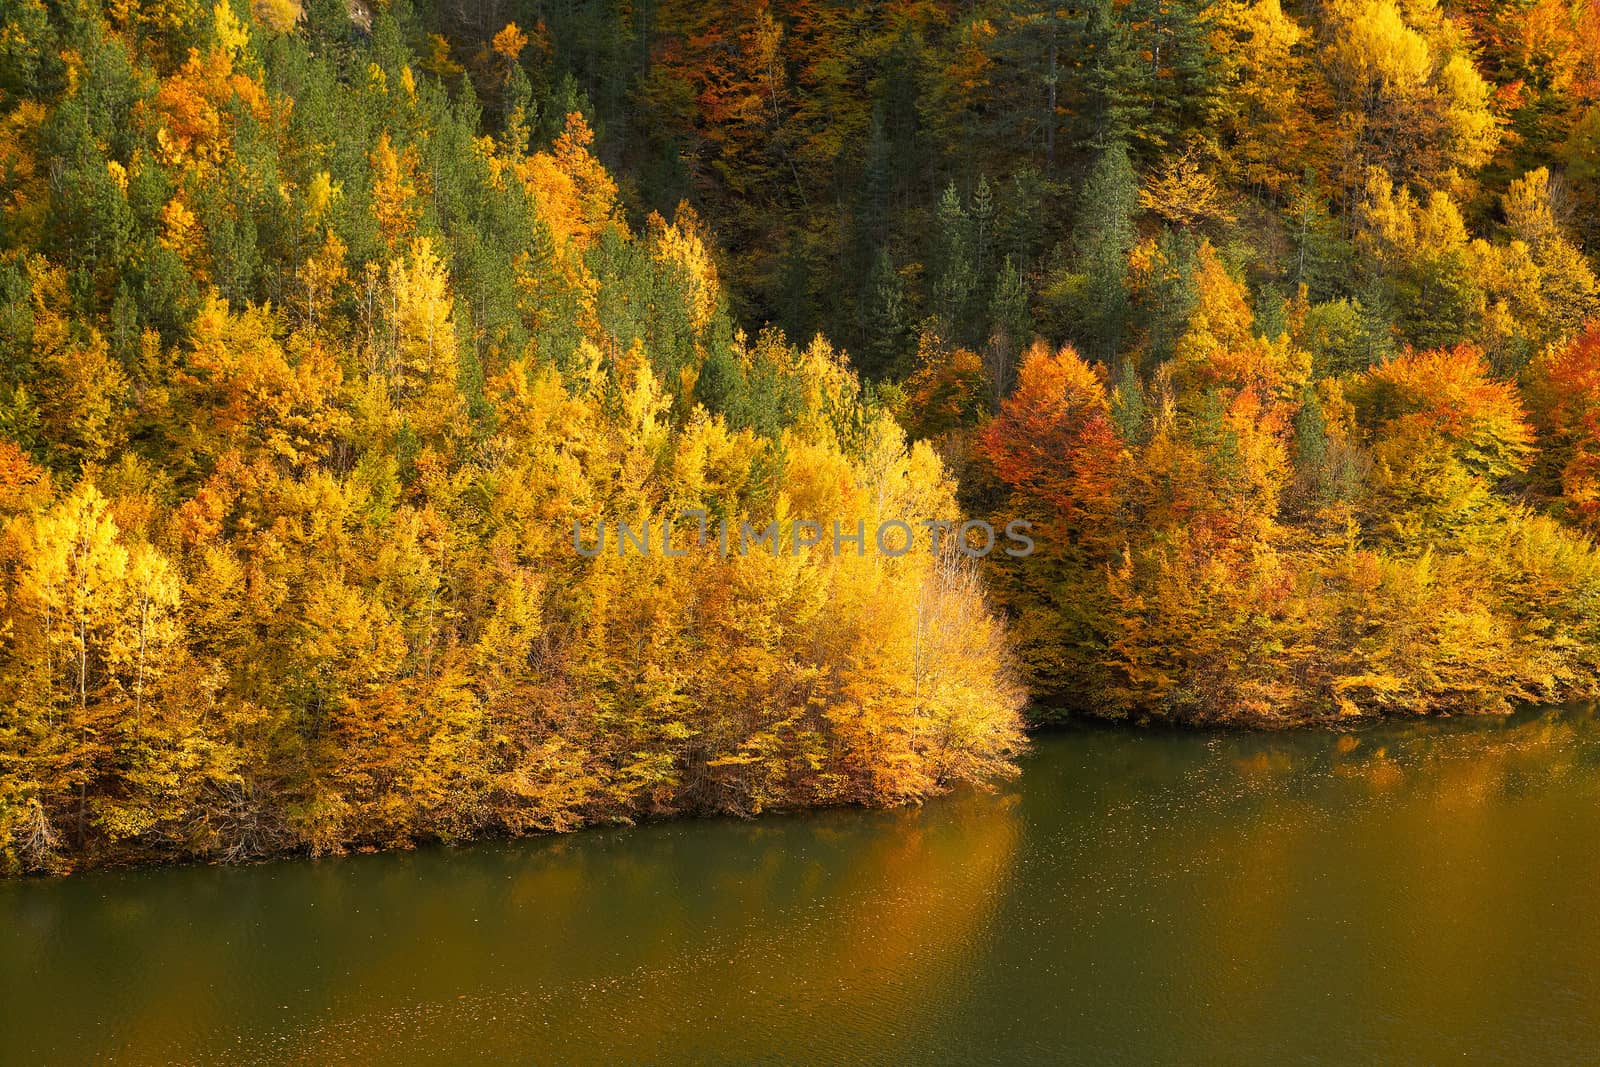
1412, 892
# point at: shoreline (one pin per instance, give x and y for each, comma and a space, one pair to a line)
1058, 725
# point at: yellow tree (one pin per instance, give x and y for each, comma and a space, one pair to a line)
82, 389
77, 581
685, 243
1445, 433
75, 587
242, 391
1409, 98
1570, 291
1220, 347
422, 360
1256, 45
394, 191
150, 623
964, 686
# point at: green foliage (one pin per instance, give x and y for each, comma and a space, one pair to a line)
1104, 236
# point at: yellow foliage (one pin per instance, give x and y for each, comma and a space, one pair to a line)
248, 394
1220, 346
320, 197
279, 15
1185, 195
422, 362
575, 196
394, 190
191, 112
683, 242
179, 228
510, 41
82, 387
232, 37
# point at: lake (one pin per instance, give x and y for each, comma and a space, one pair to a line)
1406, 892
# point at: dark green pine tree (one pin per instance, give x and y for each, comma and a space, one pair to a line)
1271, 312
1180, 85
1175, 294
1128, 409
883, 324
874, 197
1104, 236
19, 417
1439, 294
983, 228
1323, 473
1376, 329
870, 218
91, 225
1310, 434
1034, 47
1019, 225
1010, 327
950, 267
796, 312
1008, 305
518, 112
31, 64
1115, 100
1322, 258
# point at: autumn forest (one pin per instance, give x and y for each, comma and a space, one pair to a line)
322, 327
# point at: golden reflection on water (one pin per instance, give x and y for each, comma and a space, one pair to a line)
808, 918
1410, 892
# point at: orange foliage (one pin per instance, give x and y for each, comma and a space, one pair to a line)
577, 198
1220, 346
23, 483
1053, 440
394, 190
1450, 392
947, 391
192, 108
1565, 394
510, 41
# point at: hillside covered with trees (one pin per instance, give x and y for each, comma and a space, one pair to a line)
1277, 317
324, 326
868, 167
307, 379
